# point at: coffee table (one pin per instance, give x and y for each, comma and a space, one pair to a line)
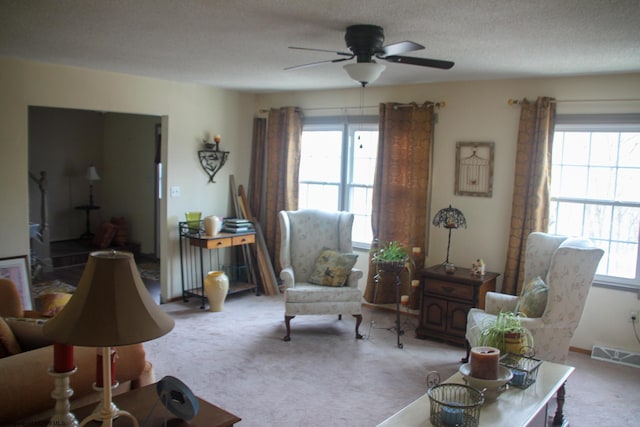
514, 407
143, 403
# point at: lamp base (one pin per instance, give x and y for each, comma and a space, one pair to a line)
61, 393
449, 268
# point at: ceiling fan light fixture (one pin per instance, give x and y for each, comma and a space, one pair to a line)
364, 72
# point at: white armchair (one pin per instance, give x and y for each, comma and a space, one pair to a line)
304, 234
567, 266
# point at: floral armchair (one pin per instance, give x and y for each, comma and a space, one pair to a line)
567, 266
305, 235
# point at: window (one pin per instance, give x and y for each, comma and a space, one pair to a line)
337, 164
594, 190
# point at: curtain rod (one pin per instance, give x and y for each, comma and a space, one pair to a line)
440, 104
512, 101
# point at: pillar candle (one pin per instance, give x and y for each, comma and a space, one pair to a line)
99, 375
63, 358
484, 362
404, 299
451, 416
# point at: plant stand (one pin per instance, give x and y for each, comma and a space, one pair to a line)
392, 268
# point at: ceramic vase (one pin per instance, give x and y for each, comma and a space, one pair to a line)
211, 225
216, 286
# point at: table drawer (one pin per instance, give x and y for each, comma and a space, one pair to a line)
243, 240
449, 289
222, 242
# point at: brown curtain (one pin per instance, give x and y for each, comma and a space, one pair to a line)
257, 170
401, 178
284, 132
530, 205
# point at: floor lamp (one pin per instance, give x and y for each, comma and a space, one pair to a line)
110, 307
450, 218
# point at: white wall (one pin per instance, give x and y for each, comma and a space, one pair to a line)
189, 112
478, 111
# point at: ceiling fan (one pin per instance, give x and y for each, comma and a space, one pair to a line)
365, 42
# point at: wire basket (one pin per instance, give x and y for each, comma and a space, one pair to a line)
455, 405
524, 369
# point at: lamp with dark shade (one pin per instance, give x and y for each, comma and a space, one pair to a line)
110, 307
449, 218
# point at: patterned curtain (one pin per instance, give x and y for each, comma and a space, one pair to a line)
284, 132
401, 178
256, 173
530, 205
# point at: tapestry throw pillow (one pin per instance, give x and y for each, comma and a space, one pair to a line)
8, 342
533, 300
332, 268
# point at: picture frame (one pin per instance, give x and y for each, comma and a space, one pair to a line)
16, 269
474, 169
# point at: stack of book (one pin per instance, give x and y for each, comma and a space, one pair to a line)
236, 225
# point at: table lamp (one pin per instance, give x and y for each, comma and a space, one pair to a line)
110, 307
449, 218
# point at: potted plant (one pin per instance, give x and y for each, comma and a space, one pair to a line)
390, 257
507, 334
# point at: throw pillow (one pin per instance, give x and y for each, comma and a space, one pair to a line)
120, 237
8, 342
28, 332
105, 234
332, 268
52, 303
533, 300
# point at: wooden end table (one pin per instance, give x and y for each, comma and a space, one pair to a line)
143, 403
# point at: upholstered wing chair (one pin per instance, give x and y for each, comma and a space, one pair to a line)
304, 236
567, 266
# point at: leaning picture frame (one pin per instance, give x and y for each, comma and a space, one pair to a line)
474, 169
16, 269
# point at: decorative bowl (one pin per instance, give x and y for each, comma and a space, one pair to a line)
492, 388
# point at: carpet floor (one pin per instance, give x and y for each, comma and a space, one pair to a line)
237, 360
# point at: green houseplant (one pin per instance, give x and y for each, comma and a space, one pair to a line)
390, 256
507, 334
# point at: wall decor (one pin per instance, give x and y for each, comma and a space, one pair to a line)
16, 269
474, 169
212, 158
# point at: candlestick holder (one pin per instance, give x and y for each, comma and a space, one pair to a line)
61, 393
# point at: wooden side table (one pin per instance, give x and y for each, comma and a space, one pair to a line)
143, 403
446, 300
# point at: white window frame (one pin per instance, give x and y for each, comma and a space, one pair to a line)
601, 123
348, 126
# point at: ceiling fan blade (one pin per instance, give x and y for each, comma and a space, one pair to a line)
312, 64
400, 47
423, 62
322, 50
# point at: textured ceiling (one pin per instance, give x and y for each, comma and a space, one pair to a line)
243, 44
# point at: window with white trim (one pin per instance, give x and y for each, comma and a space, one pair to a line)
595, 190
337, 165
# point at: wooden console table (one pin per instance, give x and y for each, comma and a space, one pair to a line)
446, 300
194, 265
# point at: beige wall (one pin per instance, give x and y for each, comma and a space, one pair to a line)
478, 111
188, 112
475, 111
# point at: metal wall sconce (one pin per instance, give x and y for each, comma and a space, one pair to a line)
212, 158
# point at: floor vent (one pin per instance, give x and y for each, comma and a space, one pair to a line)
613, 355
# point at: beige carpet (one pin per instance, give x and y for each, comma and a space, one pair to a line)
237, 360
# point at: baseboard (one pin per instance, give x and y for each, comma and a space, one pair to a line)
580, 350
